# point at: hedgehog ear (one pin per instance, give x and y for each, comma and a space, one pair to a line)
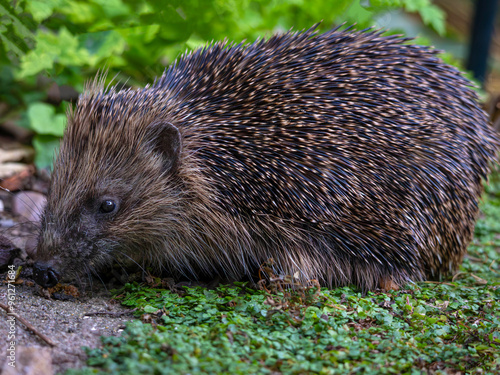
167, 141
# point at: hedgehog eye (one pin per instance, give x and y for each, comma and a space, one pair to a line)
107, 206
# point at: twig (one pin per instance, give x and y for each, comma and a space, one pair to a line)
110, 313
456, 275
491, 267
28, 325
438, 283
444, 283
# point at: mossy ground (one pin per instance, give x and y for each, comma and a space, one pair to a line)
451, 327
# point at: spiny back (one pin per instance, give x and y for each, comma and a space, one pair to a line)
315, 122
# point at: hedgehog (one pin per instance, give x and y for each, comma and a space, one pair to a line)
348, 157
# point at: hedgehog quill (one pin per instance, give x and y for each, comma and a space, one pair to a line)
347, 157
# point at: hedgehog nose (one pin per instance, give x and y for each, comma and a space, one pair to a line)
45, 275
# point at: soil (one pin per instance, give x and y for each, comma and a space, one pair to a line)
63, 321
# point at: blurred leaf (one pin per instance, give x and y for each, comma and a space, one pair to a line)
43, 119
101, 45
381, 4
359, 15
113, 8
80, 12
431, 15
15, 32
42, 9
434, 17
62, 48
46, 148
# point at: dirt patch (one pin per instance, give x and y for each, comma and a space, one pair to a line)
64, 322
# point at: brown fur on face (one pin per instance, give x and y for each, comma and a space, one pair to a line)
346, 157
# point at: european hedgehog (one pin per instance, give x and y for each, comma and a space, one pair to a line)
346, 157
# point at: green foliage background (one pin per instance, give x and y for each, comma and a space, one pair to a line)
68, 41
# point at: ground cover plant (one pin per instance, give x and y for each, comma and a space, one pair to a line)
444, 327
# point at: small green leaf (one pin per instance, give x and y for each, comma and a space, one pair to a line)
149, 309
46, 148
42, 9
43, 119
63, 48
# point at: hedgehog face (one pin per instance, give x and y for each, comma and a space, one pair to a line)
110, 179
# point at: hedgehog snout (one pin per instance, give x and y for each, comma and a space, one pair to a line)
45, 275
